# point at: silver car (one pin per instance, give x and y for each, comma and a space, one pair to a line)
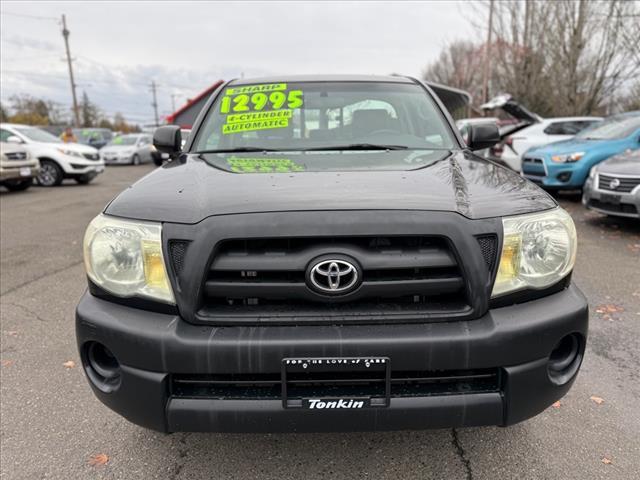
131, 149
613, 186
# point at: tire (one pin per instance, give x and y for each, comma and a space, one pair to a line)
19, 186
135, 160
85, 179
50, 174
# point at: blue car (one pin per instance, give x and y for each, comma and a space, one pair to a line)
566, 164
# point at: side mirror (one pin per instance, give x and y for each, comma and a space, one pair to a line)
14, 139
483, 135
168, 139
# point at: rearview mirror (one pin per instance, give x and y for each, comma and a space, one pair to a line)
483, 135
168, 139
14, 139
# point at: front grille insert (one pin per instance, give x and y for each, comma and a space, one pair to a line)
488, 246
264, 280
343, 384
617, 184
16, 156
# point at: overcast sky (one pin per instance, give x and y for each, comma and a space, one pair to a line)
119, 47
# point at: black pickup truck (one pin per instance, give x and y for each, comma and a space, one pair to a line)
327, 253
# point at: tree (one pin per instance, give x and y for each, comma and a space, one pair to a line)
459, 65
29, 110
630, 101
4, 115
105, 123
561, 57
121, 125
89, 112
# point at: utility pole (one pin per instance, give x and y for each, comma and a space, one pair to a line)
155, 101
65, 34
173, 101
487, 57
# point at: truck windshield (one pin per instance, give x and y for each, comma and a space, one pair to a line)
324, 116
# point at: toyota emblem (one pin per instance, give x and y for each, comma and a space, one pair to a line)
333, 276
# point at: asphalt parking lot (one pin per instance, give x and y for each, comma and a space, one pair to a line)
53, 427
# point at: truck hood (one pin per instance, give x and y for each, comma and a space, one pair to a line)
194, 187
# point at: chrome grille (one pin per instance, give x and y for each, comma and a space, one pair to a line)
624, 184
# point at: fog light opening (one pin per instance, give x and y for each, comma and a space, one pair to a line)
565, 359
564, 176
102, 367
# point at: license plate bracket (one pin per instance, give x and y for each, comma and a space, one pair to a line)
609, 198
317, 383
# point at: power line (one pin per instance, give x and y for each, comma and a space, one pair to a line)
23, 15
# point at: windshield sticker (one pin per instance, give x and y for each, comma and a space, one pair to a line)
264, 165
259, 107
269, 87
253, 116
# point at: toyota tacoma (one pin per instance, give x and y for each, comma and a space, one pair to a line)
326, 253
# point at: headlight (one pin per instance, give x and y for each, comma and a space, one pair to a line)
567, 158
592, 173
125, 258
71, 153
538, 250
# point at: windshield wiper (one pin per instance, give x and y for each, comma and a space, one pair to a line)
238, 150
357, 146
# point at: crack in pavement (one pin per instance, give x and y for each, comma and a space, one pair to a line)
28, 282
466, 463
28, 310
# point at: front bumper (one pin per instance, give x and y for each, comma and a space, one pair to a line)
152, 348
551, 175
20, 172
116, 159
79, 167
611, 202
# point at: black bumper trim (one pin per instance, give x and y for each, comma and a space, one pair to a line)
150, 346
269, 416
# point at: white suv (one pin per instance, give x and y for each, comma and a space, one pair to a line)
548, 130
58, 160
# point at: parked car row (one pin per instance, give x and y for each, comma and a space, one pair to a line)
58, 160
596, 155
32, 153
